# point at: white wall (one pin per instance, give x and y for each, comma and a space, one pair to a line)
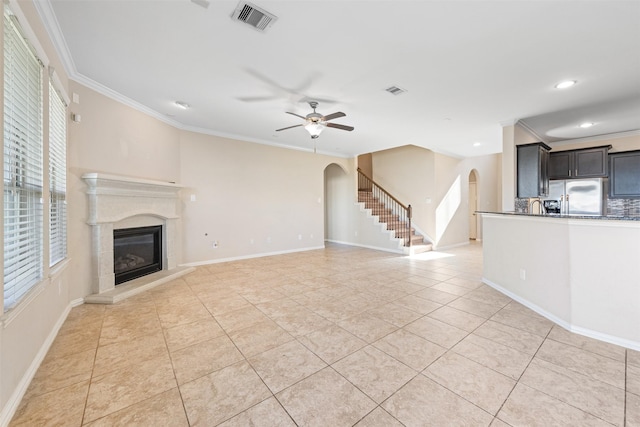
580, 273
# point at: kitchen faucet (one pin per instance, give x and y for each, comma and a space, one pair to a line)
540, 209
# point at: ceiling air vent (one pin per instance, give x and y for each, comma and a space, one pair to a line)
254, 16
395, 90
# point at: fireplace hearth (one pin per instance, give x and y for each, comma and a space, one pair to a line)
136, 252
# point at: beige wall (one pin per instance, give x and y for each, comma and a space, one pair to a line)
365, 164
252, 199
408, 173
339, 199
117, 139
437, 187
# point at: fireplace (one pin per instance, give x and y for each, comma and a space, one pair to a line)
136, 252
124, 203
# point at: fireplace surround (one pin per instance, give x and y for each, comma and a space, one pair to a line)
119, 202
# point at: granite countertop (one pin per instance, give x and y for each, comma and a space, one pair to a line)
598, 217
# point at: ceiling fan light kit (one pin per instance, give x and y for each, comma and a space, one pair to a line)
315, 122
315, 128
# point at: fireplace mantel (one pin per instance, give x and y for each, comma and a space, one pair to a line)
115, 200
110, 198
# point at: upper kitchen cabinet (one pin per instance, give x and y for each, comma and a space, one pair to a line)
583, 163
624, 175
532, 162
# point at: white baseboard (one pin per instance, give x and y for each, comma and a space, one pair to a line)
243, 257
611, 339
12, 404
375, 248
448, 247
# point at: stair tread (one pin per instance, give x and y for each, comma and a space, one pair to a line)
393, 221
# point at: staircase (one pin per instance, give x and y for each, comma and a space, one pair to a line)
387, 216
390, 211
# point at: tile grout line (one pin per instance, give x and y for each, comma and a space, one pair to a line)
93, 366
173, 368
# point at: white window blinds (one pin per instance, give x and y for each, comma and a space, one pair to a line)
22, 165
57, 177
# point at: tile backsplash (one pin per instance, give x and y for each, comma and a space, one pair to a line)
615, 207
623, 207
521, 205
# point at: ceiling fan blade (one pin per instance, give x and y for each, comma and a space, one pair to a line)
203, 3
341, 127
334, 116
290, 127
257, 98
297, 115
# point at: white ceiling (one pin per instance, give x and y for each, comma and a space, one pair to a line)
468, 67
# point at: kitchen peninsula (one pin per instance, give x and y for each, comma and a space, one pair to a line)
578, 271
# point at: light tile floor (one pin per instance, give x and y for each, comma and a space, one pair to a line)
336, 337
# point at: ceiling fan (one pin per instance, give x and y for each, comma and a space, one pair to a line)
315, 123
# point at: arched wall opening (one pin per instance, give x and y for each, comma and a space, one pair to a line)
338, 194
474, 225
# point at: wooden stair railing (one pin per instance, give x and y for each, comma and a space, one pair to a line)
389, 209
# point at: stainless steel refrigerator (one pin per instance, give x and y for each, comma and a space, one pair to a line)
578, 196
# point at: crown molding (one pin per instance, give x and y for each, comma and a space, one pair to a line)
509, 122
48, 18
235, 137
597, 138
526, 127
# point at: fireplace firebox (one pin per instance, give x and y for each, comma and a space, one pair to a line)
136, 252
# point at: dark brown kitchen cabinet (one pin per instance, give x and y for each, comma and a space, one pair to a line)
583, 163
624, 175
532, 160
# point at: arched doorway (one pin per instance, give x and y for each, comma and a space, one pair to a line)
473, 205
337, 196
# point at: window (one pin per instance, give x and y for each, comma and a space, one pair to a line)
57, 177
23, 174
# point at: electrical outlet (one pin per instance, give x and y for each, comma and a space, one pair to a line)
299, 236
523, 274
252, 241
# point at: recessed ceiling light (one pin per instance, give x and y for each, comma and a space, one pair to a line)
565, 84
586, 125
182, 105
